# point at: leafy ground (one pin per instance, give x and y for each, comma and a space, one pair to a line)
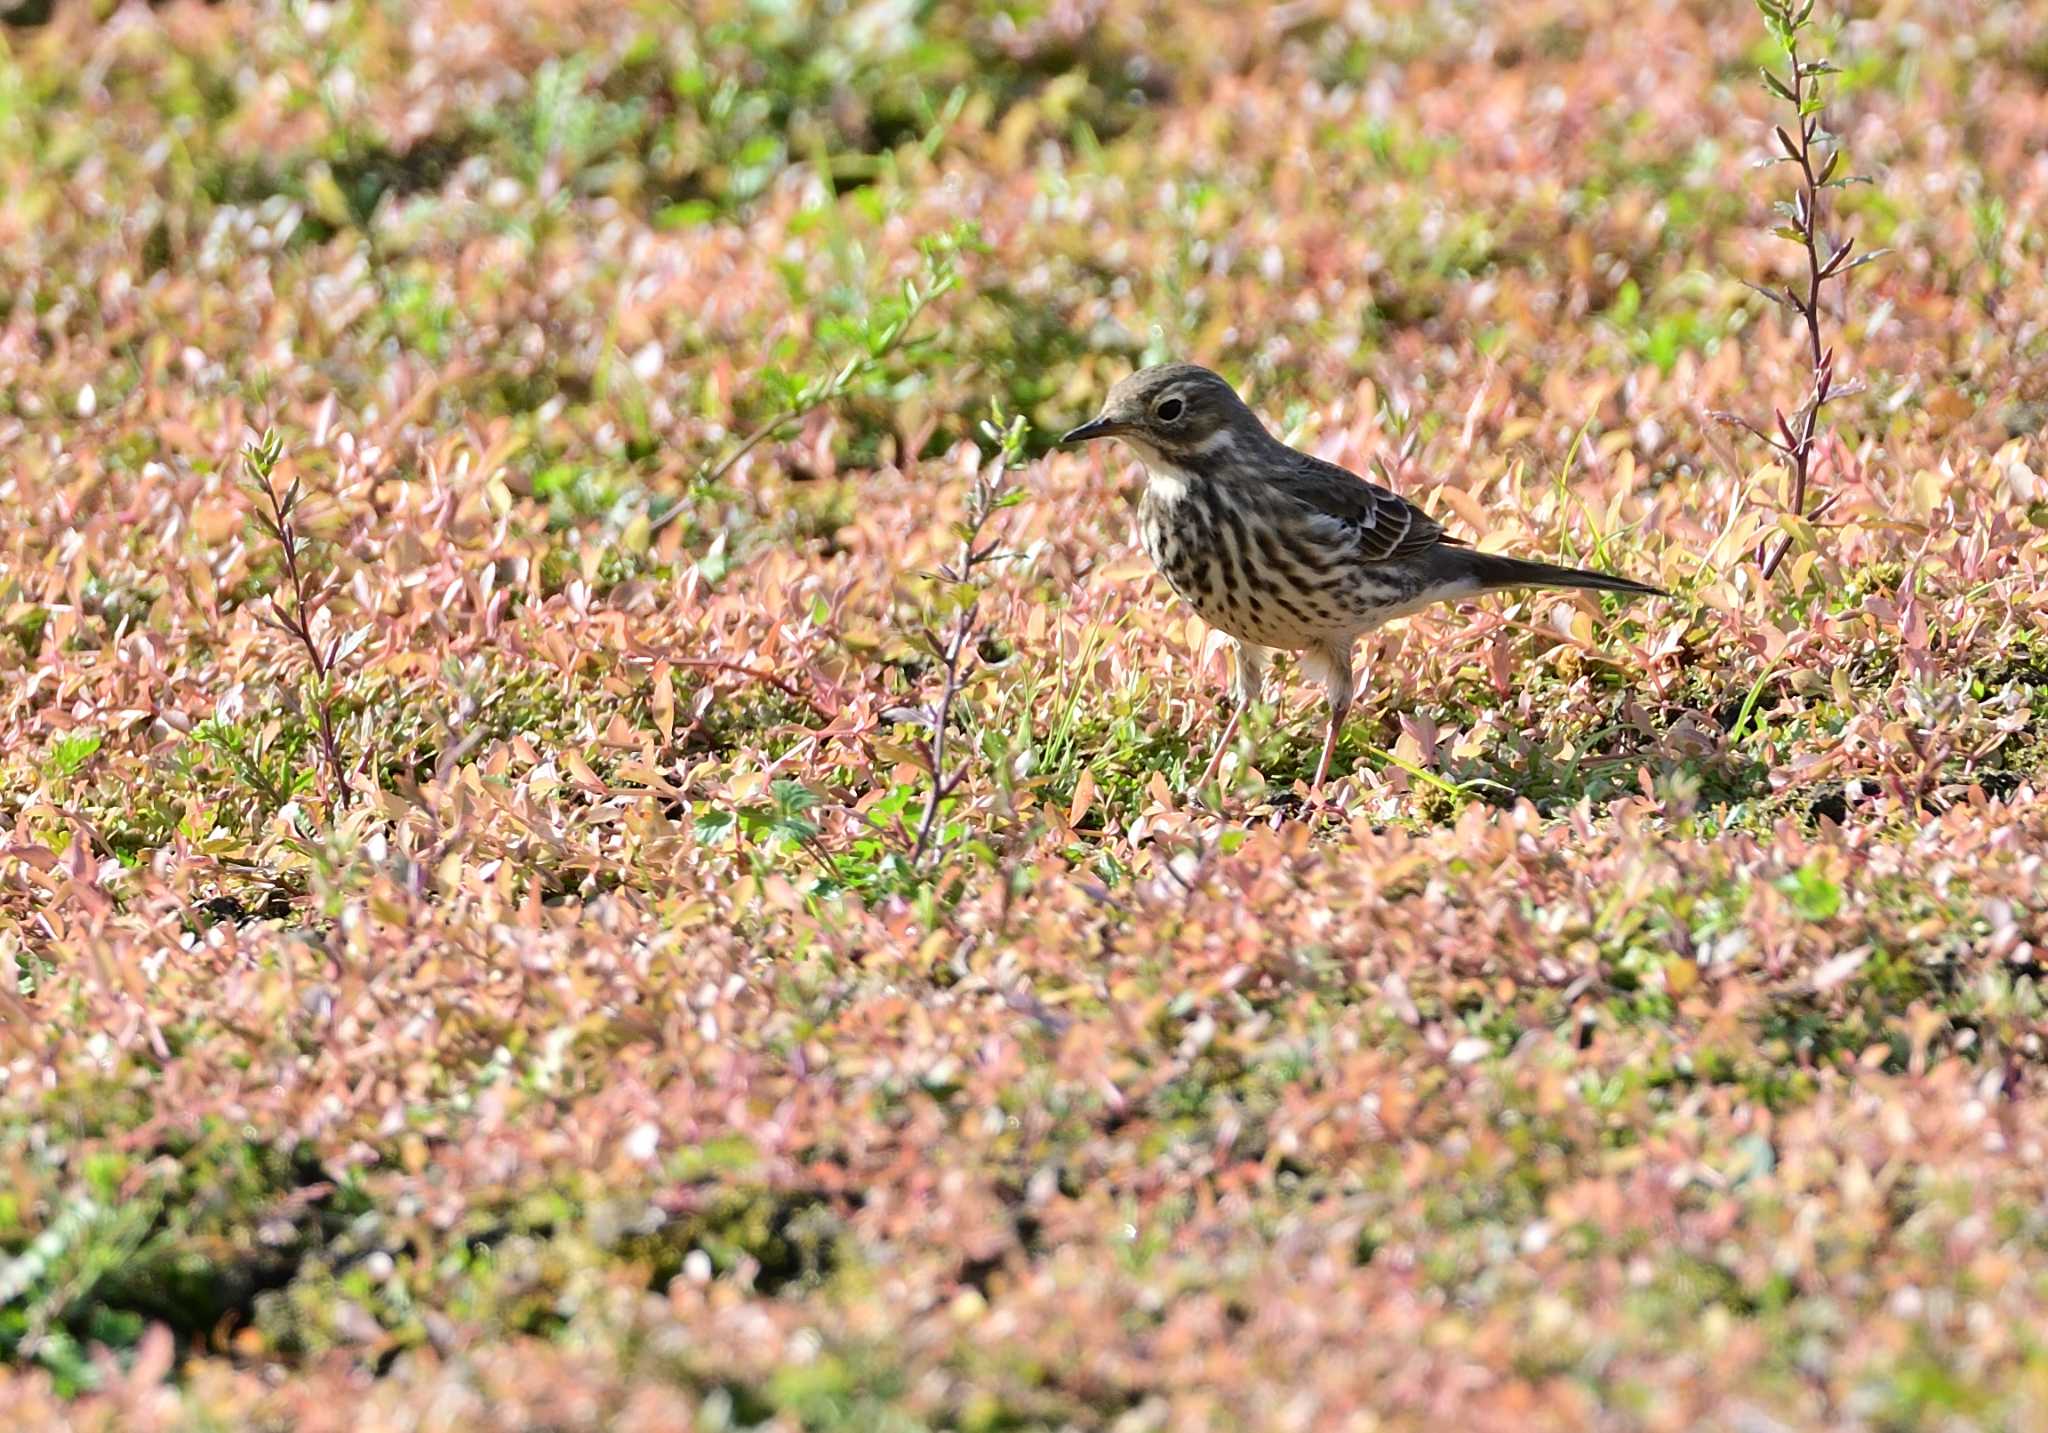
579, 1034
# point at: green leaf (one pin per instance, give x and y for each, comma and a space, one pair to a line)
792, 797
1812, 894
794, 829
689, 214
762, 149
69, 753
711, 827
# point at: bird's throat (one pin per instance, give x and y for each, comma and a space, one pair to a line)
1168, 484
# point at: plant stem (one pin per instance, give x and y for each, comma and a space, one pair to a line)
1801, 448
940, 277
943, 785
989, 494
282, 524
1797, 437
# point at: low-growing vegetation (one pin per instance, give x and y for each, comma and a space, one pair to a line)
589, 821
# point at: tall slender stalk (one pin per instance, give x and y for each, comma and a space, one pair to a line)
953, 643
304, 597
1818, 156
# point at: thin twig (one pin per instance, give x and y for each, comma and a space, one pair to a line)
1807, 222
989, 494
1722, 415
944, 785
880, 344
296, 621
1797, 436
710, 476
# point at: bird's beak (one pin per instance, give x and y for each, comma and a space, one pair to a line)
1093, 428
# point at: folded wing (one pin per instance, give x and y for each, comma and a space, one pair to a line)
1385, 525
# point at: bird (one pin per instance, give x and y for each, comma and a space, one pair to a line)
1282, 551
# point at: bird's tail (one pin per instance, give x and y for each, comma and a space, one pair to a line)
1494, 571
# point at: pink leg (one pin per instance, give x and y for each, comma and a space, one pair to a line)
1339, 682
1216, 762
1251, 678
1329, 748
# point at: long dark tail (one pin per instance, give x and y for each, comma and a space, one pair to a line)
1493, 571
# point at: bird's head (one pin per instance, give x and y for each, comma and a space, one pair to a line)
1180, 413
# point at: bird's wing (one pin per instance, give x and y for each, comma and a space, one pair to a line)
1385, 524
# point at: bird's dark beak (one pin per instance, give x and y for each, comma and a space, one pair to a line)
1093, 428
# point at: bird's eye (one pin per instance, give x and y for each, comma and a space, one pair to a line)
1170, 410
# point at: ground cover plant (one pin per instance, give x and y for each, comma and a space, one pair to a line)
589, 836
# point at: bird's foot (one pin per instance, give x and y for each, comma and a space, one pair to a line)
1312, 805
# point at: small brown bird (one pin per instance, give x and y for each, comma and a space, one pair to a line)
1279, 550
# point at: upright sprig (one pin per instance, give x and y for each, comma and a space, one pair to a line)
1818, 156
293, 611
951, 634
876, 336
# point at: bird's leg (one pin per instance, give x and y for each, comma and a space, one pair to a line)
1340, 683
1250, 663
1216, 761
1337, 715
